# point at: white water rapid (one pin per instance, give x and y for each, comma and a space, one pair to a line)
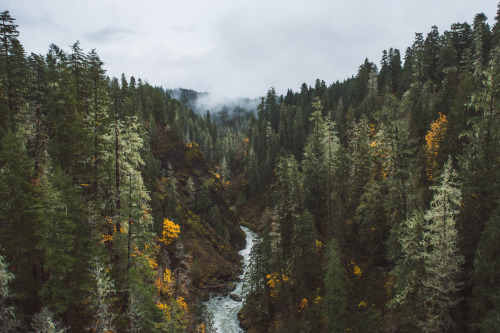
223, 308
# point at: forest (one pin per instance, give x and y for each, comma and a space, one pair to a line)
376, 198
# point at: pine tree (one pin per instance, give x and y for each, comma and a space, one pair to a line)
224, 169
304, 258
97, 114
480, 168
336, 299
315, 168
289, 200
58, 234
173, 199
101, 298
371, 224
35, 96
409, 272
215, 219
432, 46
203, 200
485, 300
254, 177
19, 194
360, 161
333, 159
44, 322
442, 256
8, 322
255, 280
191, 190
397, 164
71, 140
11, 71
481, 43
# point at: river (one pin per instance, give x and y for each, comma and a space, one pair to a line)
223, 308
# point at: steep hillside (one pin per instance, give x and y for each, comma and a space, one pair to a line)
210, 234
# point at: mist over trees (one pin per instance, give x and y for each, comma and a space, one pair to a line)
376, 198
225, 111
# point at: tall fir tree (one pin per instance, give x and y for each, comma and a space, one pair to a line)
336, 300
442, 257
485, 301
409, 272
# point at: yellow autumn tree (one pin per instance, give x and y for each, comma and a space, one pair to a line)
164, 283
356, 270
170, 232
274, 281
433, 141
303, 305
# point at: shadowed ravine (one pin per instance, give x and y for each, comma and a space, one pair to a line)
225, 309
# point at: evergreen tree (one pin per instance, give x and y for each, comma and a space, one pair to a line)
44, 322
203, 201
360, 161
371, 224
432, 46
485, 300
96, 116
409, 272
315, 168
289, 200
19, 194
11, 72
304, 257
191, 189
481, 44
256, 282
173, 200
254, 177
336, 299
479, 167
58, 235
35, 96
397, 165
8, 322
215, 219
101, 298
442, 258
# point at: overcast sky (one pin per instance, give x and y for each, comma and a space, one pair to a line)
236, 48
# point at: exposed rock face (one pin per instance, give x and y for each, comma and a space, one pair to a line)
236, 298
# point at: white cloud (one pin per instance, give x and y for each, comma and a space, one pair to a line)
108, 34
235, 48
